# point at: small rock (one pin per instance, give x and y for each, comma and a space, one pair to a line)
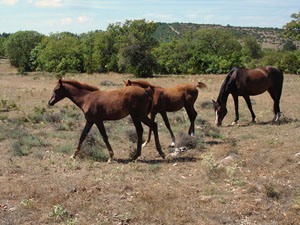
178, 151
205, 199
227, 161
297, 154
258, 200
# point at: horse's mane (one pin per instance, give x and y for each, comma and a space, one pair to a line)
81, 85
225, 84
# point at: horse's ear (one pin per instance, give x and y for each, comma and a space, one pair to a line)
214, 102
60, 81
125, 82
129, 82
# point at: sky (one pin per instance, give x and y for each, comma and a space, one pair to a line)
81, 16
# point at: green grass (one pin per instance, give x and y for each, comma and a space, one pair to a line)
23, 146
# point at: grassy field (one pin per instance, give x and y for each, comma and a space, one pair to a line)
246, 174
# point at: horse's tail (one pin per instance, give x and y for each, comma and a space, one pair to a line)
150, 92
201, 85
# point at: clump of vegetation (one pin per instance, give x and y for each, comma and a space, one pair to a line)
208, 129
27, 202
188, 141
271, 192
24, 144
7, 105
59, 213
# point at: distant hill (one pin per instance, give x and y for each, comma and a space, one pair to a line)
268, 37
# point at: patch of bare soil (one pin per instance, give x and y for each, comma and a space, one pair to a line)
246, 174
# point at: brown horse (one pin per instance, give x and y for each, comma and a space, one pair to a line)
170, 100
248, 82
99, 106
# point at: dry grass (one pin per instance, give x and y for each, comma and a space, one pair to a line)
259, 185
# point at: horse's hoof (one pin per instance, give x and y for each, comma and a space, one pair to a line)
172, 145
135, 157
163, 155
234, 123
144, 144
72, 157
109, 161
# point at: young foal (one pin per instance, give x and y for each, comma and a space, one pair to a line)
247, 82
170, 100
98, 106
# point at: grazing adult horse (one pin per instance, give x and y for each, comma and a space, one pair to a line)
170, 100
99, 106
248, 82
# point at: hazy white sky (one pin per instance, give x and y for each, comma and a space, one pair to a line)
79, 16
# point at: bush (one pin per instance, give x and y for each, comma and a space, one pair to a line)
58, 53
19, 46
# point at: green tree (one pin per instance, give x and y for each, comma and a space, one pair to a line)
19, 46
289, 46
59, 53
290, 62
136, 45
252, 48
292, 29
2, 46
216, 51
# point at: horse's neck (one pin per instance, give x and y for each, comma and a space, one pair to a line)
224, 92
77, 96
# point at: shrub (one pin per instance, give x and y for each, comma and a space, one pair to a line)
19, 46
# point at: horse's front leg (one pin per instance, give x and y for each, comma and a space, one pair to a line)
84, 133
152, 117
166, 120
248, 101
102, 131
236, 107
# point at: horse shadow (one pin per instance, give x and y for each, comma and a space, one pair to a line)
159, 161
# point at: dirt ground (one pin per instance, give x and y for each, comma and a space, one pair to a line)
245, 174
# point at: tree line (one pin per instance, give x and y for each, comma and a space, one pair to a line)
132, 48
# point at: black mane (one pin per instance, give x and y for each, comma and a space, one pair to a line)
225, 85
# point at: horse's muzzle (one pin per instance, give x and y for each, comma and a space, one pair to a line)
51, 103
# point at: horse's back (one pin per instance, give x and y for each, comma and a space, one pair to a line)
258, 80
116, 104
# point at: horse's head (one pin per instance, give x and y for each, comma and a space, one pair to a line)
58, 93
221, 112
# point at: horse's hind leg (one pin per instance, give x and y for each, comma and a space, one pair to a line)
153, 127
248, 101
83, 135
152, 117
276, 98
166, 120
102, 131
192, 116
139, 131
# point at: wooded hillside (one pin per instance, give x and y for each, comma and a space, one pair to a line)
267, 37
